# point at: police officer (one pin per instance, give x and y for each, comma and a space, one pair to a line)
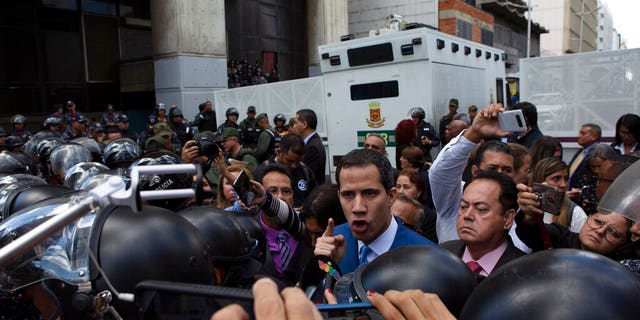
249, 130
109, 118
206, 119
268, 140
232, 115
427, 137
19, 123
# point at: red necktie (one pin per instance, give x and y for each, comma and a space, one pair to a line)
474, 266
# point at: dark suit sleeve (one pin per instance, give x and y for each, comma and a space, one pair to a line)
314, 157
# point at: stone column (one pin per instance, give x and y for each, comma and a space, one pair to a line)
328, 21
189, 52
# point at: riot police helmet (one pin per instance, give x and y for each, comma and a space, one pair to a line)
417, 112
66, 156
121, 152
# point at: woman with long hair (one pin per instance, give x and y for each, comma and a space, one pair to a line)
554, 172
627, 134
226, 195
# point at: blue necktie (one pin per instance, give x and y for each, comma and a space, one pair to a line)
285, 250
364, 251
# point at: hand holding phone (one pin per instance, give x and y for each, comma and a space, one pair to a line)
549, 197
512, 120
243, 188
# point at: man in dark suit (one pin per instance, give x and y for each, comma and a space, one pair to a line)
588, 136
314, 154
487, 210
366, 191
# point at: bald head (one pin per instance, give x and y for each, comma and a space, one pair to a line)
454, 128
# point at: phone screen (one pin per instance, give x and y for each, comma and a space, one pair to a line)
242, 186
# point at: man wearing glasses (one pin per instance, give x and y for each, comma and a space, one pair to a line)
287, 253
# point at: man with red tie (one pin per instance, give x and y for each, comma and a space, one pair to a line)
487, 209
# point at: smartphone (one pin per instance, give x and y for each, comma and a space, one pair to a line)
357, 310
512, 120
549, 197
243, 188
176, 300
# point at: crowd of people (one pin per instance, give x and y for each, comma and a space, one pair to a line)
489, 197
241, 73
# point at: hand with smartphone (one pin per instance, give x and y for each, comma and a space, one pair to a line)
549, 198
486, 124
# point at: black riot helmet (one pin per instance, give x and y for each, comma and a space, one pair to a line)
9, 164
279, 117
232, 111
51, 121
76, 175
45, 146
66, 156
417, 112
129, 247
557, 284
19, 191
440, 272
159, 181
15, 141
18, 118
95, 147
230, 245
256, 232
121, 152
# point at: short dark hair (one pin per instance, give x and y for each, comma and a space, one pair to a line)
309, 116
619, 163
508, 192
323, 203
273, 167
364, 157
519, 153
595, 129
293, 143
529, 111
491, 145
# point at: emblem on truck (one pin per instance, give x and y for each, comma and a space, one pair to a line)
375, 116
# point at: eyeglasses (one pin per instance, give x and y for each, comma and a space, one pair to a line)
286, 192
611, 234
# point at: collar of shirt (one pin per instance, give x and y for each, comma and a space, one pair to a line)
489, 260
307, 138
621, 147
383, 243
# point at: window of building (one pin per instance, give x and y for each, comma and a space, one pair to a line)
100, 7
464, 30
487, 37
61, 4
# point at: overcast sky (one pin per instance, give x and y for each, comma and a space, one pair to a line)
626, 20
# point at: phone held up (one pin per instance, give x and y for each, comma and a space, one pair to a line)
512, 120
549, 197
243, 188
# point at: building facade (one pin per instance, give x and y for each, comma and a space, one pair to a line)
572, 25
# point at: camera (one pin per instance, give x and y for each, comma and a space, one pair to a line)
207, 148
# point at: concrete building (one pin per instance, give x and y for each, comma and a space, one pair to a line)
607, 35
134, 53
572, 25
365, 15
